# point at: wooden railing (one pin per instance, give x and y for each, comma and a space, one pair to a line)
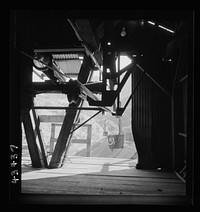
56, 121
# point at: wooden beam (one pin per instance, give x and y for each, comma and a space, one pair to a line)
67, 108
52, 138
42, 87
37, 121
52, 118
74, 141
62, 141
89, 137
85, 34
84, 30
31, 140
68, 122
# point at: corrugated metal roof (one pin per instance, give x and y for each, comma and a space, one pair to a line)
69, 66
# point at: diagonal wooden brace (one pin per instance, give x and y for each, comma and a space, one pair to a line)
68, 123
31, 140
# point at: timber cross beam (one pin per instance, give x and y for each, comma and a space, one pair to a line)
68, 122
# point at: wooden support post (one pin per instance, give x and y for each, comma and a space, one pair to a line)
62, 140
30, 137
89, 135
52, 138
64, 135
37, 121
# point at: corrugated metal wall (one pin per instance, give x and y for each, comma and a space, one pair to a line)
180, 108
142, 119
151, 121
161, 136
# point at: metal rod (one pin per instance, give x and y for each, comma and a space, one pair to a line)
66, 108
120, 72
118, 81
85, 122
183, 78
134, 90
125, 78
154, 80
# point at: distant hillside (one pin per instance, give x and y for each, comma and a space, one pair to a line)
100, 147
98, 122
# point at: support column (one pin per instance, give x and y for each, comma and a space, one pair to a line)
40, 138
64, 135
89, 135
31, 140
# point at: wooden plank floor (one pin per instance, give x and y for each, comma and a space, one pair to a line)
100, 176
